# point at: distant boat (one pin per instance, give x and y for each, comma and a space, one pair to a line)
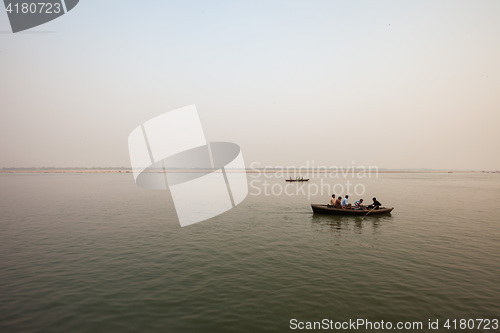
325, 209
297, 180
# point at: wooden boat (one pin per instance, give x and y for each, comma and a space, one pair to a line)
325, 209
297, 180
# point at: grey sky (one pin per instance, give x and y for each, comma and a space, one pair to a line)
398, 84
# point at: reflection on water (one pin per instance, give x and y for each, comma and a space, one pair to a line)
359, 224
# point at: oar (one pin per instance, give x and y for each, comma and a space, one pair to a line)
371, 210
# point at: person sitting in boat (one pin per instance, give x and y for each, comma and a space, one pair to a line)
332, 201
345, 203
338, 203
359, 205
375, 204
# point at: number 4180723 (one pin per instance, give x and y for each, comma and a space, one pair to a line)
34, 8
470, 324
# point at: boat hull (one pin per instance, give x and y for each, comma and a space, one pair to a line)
324, 209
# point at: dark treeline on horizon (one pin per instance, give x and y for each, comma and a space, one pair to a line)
67, 168
246, 169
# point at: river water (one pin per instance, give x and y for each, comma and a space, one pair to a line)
95, 253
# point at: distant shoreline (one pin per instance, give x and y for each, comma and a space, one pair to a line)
62, 170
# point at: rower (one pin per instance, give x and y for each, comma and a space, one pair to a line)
375, 204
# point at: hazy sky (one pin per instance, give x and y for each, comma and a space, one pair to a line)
397, 84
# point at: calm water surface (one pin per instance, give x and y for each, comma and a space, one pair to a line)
93, 252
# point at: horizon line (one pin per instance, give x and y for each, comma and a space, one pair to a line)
289, 169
